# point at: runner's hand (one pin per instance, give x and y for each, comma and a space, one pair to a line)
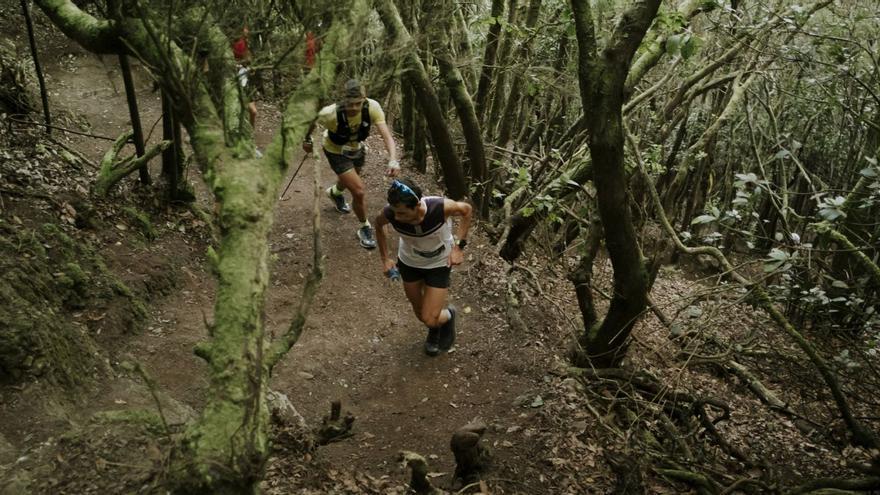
456, 257
307, 146
393, 168
387, 265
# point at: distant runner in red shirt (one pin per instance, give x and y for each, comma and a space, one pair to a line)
242, 53
311, 49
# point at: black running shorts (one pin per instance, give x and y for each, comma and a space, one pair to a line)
342, 164
433, 277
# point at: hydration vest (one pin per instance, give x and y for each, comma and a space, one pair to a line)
343, 131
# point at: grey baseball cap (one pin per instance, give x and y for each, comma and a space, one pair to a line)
354, 91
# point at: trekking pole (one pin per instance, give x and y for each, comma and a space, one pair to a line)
294, 177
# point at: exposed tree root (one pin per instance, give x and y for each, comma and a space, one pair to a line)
512, 304
824, 485
861, 434
670, 429
629, 474
702, 483
335, 427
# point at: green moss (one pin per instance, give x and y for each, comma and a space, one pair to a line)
141, 221
147, 419
213, 260
44, 273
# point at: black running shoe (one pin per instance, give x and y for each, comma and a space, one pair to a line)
447, 331
339, 202
431, 343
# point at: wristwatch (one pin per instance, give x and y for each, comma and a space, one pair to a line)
461, 243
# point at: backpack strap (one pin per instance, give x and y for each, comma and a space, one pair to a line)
364, 129
343, 129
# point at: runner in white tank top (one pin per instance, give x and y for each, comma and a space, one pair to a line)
425, 255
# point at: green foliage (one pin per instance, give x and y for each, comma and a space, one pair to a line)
831, 209
684, 44
778, 260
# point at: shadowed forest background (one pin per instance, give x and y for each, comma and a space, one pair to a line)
671, 287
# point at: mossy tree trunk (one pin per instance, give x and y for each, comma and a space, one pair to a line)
225, 450
489, 57
514, 99
407, 115
173, 158
429, 104
495, 105
601, 76
654, 46
467, 115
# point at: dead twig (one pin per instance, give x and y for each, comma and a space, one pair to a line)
78, 133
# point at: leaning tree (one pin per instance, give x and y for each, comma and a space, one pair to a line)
187, 52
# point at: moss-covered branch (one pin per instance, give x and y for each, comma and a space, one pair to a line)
655, 47
703, 484
838, 237
113, 170
427, 99
95, 35
283, 345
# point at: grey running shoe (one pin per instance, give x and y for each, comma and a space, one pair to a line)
339, 202
365, 235
447, 331
432, 347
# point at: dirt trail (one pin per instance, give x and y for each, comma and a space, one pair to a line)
362, 344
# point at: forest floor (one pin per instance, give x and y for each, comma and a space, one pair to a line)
362, 345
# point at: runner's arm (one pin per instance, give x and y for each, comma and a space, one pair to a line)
393, 165
382, 241
458, 209
385, 131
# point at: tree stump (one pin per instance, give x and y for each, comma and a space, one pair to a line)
335, 427
419, 481
472, 457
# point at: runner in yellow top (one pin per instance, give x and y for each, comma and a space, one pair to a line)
347, 125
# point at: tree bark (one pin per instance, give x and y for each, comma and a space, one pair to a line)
427, 99
601, 77
225, 450
509, 115
489, 57
135, 116
582, 276
44, 95
498, 100
407, 115
171, 158
470, 125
